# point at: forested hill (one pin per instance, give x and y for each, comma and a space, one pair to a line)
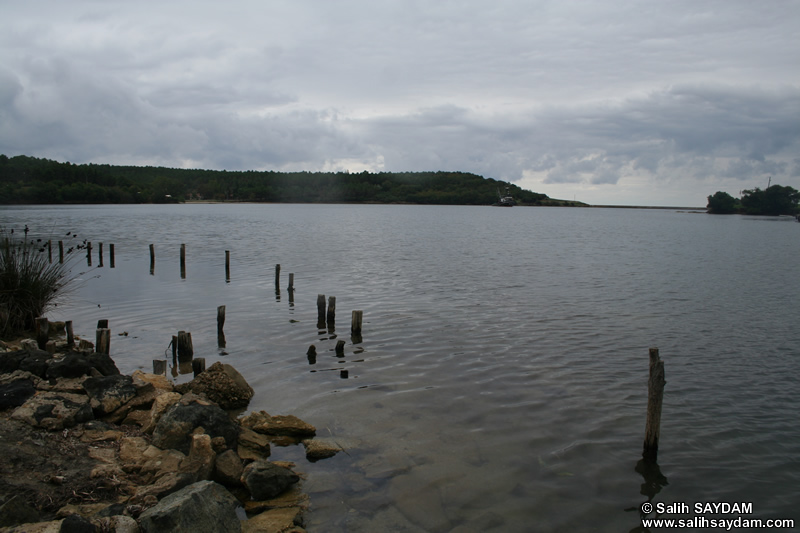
29, 180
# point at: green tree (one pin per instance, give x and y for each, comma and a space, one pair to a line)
722, 203
775, 200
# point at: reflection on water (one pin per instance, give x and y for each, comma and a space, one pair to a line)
500, 380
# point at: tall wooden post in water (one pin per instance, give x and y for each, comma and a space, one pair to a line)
655, 395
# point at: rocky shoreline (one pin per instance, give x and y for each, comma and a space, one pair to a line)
88, 449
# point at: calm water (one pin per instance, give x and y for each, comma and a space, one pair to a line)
500, 384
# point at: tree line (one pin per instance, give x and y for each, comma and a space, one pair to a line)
774, 200
29, 180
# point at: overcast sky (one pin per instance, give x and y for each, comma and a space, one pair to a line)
626, 102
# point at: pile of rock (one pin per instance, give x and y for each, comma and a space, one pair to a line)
177, 459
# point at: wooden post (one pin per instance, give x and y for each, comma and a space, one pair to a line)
291, 282
100, 255
42, 332
655, 395
344, 374
60, 251
160, 367
183, 261
321, 309
227, 265
331, 315
185, 348
152, 259
340, 348
220, 326
174, 345
111, 255
103, 341
89, 253
102, 323
358, 317
50, 250
277, 277
312, 355
198, 366
70, 335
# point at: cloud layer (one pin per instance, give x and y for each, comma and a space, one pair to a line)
649, 103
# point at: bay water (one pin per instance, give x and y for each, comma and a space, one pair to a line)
500, 381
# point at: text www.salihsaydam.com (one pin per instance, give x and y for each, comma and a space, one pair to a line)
721, 523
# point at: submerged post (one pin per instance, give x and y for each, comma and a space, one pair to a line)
227, 265
277, 277
655, 395
100, 255
89, 254
220, 326
320, 310
358, 317
60, 251
291, 282
50, 251
331, 314
111, 255
183, 261
152, 259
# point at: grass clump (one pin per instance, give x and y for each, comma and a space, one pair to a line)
30, 281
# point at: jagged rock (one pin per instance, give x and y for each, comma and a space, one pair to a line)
17, 511
160, 405
228, 469
267, 480
200, 461
30, 360
77, 524
163, 486
175, 426
16, 393
109, 393
317, 449
203, 507
72, 365
223, 385
252, 446
286, 425
54, 411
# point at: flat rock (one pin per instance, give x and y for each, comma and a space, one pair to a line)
16, 393
109, 393
280, 425
203, 507
54, 411
276, 520
317, 449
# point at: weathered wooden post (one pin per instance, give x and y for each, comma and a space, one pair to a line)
320, 310
100, 255
331, 315
102, 323
183, 261
198, 366
103, 341
358, 317
340, 348
312, 355
227, 265
111, 255
277, 277
220, 326
655, 395
89, 253
174, 345
42, 332
70, 335
344, 374
185, 348
60, 251
50, 250
160, 367
291, 282
152, 259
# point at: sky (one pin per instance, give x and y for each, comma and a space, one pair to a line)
651, 102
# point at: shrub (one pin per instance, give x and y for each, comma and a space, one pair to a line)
29, 282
